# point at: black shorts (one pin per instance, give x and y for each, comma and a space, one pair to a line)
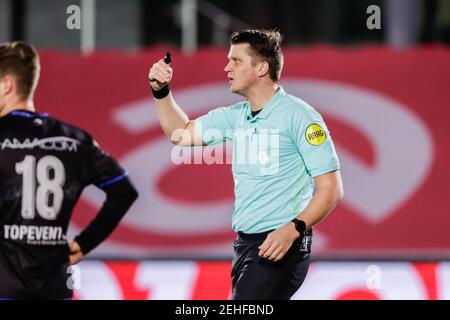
255, 278
36, 280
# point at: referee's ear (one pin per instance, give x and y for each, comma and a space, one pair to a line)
262, 68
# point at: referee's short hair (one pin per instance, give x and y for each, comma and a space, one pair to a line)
265, 45
20, 60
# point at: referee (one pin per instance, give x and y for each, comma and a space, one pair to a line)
44, 166
285, 168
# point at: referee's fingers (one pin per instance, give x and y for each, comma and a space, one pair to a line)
161, 76
158, 67
164, 69
264, 247
162, 66
163, 73
153, 75
160, 72
272, 249
280, 255
276, 253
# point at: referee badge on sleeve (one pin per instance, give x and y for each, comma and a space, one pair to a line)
315, 135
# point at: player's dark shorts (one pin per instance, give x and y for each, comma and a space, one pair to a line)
28, 278
254, 277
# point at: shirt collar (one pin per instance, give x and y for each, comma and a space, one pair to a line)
269, 107
26, 114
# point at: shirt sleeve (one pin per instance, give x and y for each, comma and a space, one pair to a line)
314, 143
216, 126
101, 169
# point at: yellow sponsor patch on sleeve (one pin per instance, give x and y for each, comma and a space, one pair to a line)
315, 135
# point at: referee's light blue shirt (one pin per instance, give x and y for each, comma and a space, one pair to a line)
276, 154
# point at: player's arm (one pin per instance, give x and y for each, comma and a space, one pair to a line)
105, 173
173, 120
119, 198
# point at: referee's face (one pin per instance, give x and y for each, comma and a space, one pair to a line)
241, 70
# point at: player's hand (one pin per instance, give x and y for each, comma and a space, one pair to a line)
160, 75
75, 252
278, 242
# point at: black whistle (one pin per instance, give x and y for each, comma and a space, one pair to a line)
167, 58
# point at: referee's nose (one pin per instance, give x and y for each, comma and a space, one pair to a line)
227, 68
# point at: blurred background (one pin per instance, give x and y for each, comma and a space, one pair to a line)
188, 24
379, 73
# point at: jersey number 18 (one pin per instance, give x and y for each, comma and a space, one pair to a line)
48, 196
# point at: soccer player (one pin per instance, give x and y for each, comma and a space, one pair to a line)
285, 168
44, 166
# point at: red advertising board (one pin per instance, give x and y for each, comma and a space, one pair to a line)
189, 280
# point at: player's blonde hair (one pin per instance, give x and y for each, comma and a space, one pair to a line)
21, 61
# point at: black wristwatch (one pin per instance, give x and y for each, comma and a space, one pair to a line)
300, 226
